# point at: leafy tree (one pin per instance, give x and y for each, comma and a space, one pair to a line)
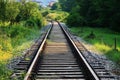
56, 6
26, 10
2, 10
32, 15
74, 19
11, 11
67, 5
8, 10
95, 13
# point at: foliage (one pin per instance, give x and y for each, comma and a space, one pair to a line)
56, 6
11, 11
45, 13
67, 5
30, 23
14, 12
5, 53
2, 10
26, 11
4, 72
94, 13
75, 20
14, 40
19, 26
8, 10
20, 34
57, 15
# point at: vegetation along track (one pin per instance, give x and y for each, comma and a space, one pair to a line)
59, 58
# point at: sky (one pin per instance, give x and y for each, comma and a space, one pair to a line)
45, 2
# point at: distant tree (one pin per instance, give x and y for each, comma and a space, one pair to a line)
31, 15
2, 10
26, 10
74, 19
12, 11
88, 12
115, 15
67, 5
8, 10
56, 6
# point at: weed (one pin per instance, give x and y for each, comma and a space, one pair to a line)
13, 41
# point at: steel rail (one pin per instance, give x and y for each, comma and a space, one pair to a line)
37, 55
91, 71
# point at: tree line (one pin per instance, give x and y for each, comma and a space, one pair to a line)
94, 13
13, 11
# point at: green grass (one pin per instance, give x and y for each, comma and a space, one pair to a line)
4, 72
103, 41
14, 40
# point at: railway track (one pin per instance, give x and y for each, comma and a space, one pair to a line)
58, 57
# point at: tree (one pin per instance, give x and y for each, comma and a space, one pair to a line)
74, 19
2, 10
26, 11
56, 6
30, 15
67, 5
8, 10
115, 15
12, 11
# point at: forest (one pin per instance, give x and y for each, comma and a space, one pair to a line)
94, 13
20, 25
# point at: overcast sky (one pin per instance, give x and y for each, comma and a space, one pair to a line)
45, 2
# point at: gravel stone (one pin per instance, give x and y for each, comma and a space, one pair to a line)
108, 64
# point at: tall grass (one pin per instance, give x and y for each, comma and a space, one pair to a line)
14, 40
103, 41
4, 72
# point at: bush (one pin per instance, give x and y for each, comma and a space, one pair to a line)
17, 34
45, 13
14, 40
39, 22
4, 72
34, 22
30, 23
57, 15
75, 20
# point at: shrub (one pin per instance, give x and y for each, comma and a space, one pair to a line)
75, 20
30, 23
4, 72
57, 15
